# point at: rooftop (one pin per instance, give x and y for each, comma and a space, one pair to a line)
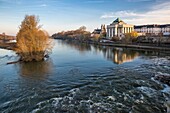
118, 20
97, 31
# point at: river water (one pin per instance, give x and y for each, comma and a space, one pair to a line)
83, 78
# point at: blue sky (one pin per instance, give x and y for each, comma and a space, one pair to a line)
62, 15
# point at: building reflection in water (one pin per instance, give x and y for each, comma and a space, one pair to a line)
117, 55
120, 56
35, 70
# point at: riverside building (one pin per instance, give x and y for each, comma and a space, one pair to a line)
153, 29
118, 28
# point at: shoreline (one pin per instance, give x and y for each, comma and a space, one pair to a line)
135, 46
11, 46
8, 46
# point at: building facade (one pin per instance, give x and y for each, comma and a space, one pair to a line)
99, 32
118, 28
153, 29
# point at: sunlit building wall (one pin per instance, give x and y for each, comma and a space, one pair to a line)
118, 28
153, 29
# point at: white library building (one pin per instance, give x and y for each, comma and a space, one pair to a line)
118, 28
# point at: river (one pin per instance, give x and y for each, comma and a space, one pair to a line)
85, 78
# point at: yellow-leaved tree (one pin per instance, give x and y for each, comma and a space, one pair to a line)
130, 37
33, 44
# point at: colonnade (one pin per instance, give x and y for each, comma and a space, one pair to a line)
116, 31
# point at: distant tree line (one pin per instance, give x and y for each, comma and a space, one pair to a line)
78, 34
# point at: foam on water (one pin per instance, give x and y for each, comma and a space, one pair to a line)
162, 73
148, 91
111, 98
166, 89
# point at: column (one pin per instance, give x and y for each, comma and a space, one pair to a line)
133, 29
118, 30
112, 32
109, 32
115, 31
129, 29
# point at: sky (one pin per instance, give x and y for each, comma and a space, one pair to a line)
63, 15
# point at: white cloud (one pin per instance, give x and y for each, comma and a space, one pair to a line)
43, 5
121, 14
158, 14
